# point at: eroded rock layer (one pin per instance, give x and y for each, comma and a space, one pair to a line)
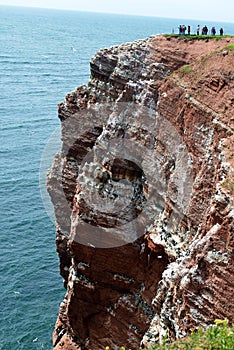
143, 194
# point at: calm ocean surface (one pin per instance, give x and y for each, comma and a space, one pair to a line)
43, 55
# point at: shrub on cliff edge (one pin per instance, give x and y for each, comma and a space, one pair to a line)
217, 337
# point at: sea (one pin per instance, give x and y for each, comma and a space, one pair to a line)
44, 54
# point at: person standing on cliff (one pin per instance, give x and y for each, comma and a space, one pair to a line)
213, 31
189, 28
198, 29
221, 31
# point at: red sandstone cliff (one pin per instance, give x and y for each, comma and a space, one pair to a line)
143, 194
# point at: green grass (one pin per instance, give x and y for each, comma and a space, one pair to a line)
219, 336
197, 37
187, 69
230, 47
228, 184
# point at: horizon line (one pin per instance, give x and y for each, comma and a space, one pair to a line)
114, 13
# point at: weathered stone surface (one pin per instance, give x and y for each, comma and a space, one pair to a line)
143, 194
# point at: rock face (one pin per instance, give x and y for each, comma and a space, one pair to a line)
143, 193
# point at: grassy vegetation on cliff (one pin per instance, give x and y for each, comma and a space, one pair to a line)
187, 69
228, 184
198, 37
217, 337
230, 47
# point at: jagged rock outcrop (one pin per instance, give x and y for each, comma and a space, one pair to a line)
143, 194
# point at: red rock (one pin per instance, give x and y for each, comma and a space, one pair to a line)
145, 236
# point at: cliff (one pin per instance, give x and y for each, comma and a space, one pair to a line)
143, 194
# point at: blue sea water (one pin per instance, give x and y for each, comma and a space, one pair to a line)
43, 55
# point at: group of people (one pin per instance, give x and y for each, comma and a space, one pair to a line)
183, 28
204, 31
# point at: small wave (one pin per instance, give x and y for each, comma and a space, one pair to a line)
16, 62
5, 56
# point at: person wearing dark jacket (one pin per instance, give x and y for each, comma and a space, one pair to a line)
213, 31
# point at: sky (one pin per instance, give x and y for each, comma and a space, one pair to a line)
212, 10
